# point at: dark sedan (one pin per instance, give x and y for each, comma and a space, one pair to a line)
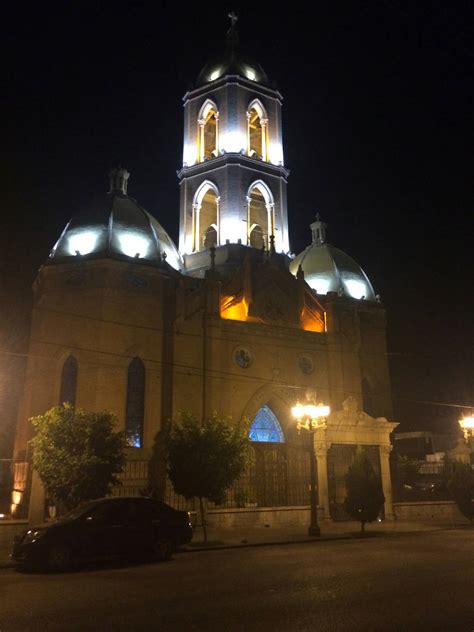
105, 528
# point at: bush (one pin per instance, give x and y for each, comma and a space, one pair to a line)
365, 497
460, 483
77, 454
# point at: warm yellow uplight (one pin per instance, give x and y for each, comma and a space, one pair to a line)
16, 497
232, 309
467, 426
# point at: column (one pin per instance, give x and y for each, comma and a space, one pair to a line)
248, 133
264, 124
384, 451
196, 228
218, 222
249, 200
216, 116
201, 123
321, 449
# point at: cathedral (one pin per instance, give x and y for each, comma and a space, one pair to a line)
227, 320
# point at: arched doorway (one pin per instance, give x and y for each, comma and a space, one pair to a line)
270, 459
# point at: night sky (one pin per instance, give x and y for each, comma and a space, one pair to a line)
378, 133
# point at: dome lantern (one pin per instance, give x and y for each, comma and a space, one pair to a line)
318, 230
118, 180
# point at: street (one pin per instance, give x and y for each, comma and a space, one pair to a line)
403, 582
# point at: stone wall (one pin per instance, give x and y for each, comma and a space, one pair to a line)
8, 530
256, 517
434, 510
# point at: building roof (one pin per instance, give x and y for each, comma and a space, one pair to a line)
115, 225
328, 269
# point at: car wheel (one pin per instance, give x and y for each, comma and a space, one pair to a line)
59, 558
163, 549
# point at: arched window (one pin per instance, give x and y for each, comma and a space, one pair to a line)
67, 392
266, 427
260, 215
208, 131
135, 410
368, 398
257, 131
205, 217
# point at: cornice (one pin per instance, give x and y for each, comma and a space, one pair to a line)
227, 80
231, 158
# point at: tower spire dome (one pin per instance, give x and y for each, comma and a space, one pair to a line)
232, 62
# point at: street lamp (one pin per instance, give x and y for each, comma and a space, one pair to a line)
467, 426
311, 418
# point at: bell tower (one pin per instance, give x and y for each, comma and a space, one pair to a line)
233, 180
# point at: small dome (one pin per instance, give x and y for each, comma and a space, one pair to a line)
328, 269
231, 62
116, 225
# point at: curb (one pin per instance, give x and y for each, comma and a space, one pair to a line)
246, 545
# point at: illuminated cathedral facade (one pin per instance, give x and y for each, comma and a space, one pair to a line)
229, 321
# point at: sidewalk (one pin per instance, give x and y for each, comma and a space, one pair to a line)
219, 538
225, 538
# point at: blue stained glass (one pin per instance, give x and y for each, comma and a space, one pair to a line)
266, 427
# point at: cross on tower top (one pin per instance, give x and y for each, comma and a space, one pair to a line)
233, 18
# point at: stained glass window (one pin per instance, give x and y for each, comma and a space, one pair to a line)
266, 427
135, 403
67, 393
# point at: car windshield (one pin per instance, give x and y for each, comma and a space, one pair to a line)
77, 512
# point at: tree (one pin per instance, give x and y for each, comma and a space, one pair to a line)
204, 460
365, 497
460, 483
77, 454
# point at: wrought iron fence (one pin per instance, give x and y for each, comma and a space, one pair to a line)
278, 476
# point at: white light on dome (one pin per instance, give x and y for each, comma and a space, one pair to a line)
319, 284
82, 243
251, 74
357, 289
215, 74
133, 244
172, 258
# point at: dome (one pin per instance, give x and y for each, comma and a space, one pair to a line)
116, 225
328, 269
231, 62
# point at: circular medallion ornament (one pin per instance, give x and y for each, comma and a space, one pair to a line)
242, 357
306, 364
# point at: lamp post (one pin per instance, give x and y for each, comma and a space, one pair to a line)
467, 426
310, 417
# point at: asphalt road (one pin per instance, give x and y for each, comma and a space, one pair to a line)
404, 582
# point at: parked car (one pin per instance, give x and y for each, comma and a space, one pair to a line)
105, 528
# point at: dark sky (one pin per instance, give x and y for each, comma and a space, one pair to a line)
378, 133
